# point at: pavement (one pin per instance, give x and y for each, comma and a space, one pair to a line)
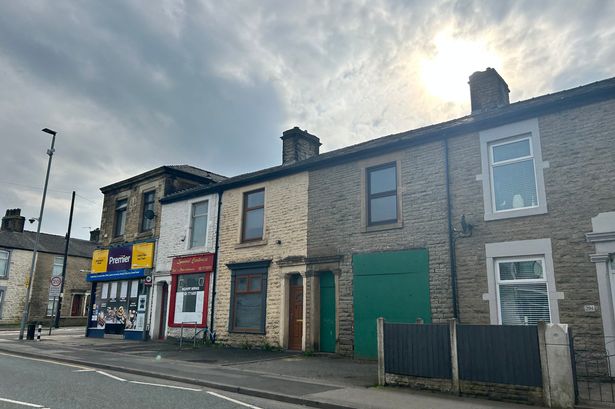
323, 381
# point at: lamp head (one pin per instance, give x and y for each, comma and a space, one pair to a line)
49, 131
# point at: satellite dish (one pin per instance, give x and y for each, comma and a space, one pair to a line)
149, 214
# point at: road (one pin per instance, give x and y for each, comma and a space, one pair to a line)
35, 383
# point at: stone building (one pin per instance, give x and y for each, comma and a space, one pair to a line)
130, 226
16, 248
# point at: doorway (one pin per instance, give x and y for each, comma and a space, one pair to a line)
164, 292
295, 312
76, 308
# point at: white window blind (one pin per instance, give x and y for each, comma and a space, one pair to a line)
522, 291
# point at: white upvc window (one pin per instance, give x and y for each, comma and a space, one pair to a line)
522, 291
198, 224
512, 166
4, 263
58, 263
521, 282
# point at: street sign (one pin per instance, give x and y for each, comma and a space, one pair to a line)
54, 286
148, 279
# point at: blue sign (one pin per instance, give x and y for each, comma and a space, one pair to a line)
116, 275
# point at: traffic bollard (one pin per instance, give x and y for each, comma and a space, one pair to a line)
38, 332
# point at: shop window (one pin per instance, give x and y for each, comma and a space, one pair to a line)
382, 194
249, 294
147, 213
198, 224
4, 263
120, 217
253, 215
189, 295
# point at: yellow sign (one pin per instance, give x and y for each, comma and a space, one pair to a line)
99, 261
142, 255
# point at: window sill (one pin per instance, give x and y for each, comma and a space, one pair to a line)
144, 234
232, 331
381, 227
248, 244
118, 239
533, 211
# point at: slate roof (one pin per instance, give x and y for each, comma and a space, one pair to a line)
48, 243
531, 108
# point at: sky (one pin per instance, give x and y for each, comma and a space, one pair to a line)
133, 85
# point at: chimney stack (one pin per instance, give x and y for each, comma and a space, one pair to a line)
95, 235
488, 91
13, 221
298, 145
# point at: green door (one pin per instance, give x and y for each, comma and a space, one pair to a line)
327, 312
393, 285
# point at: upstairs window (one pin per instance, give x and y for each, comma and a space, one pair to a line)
522, 291
513, 175
4, 263
198, 224
147, 219
120, 217
253, 215
382, 194
58, 263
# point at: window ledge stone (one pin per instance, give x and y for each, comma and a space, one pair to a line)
381, 227
248, 244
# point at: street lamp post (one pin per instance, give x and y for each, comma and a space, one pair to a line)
26, 309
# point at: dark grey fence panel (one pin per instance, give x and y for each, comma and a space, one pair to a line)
417, 350
499, 354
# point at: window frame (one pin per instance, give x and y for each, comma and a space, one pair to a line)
500, 282
244, 213
192, 219
5, 275
144, 208
515, 251
369, 196
503, 135
173, 296
60, 265
251, 270
124, 211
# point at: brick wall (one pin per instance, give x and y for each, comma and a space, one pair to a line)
336, 227
285, 220
14, 287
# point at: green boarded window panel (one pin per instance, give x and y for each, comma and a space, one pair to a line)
327, 312
393, 285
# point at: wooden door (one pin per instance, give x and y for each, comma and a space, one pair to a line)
327, 312
295, 313
75, 309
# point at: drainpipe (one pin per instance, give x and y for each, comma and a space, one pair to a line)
451, 238
215, 272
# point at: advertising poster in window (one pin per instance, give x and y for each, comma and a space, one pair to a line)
190, 299
132, 316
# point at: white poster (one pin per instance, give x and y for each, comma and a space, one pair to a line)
134, 289
105, 291
189, 311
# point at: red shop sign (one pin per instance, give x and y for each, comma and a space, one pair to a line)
197, 263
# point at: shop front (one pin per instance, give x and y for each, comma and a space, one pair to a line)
121, 282
189, 294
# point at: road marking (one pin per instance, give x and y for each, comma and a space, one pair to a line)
167, 386
85, 370
117, 378
17, 402
233, 400
45, 360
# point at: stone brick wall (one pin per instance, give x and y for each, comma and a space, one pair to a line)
14, 286
579, 185
133, 212
74, 283
286, 223
335, 225
175, 241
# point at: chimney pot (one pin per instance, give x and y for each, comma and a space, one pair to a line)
298, 145
488, 91
95, 235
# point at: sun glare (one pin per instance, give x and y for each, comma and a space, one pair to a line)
445, 73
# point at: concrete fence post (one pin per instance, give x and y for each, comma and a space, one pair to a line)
452, 325
381, 373
556, 365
